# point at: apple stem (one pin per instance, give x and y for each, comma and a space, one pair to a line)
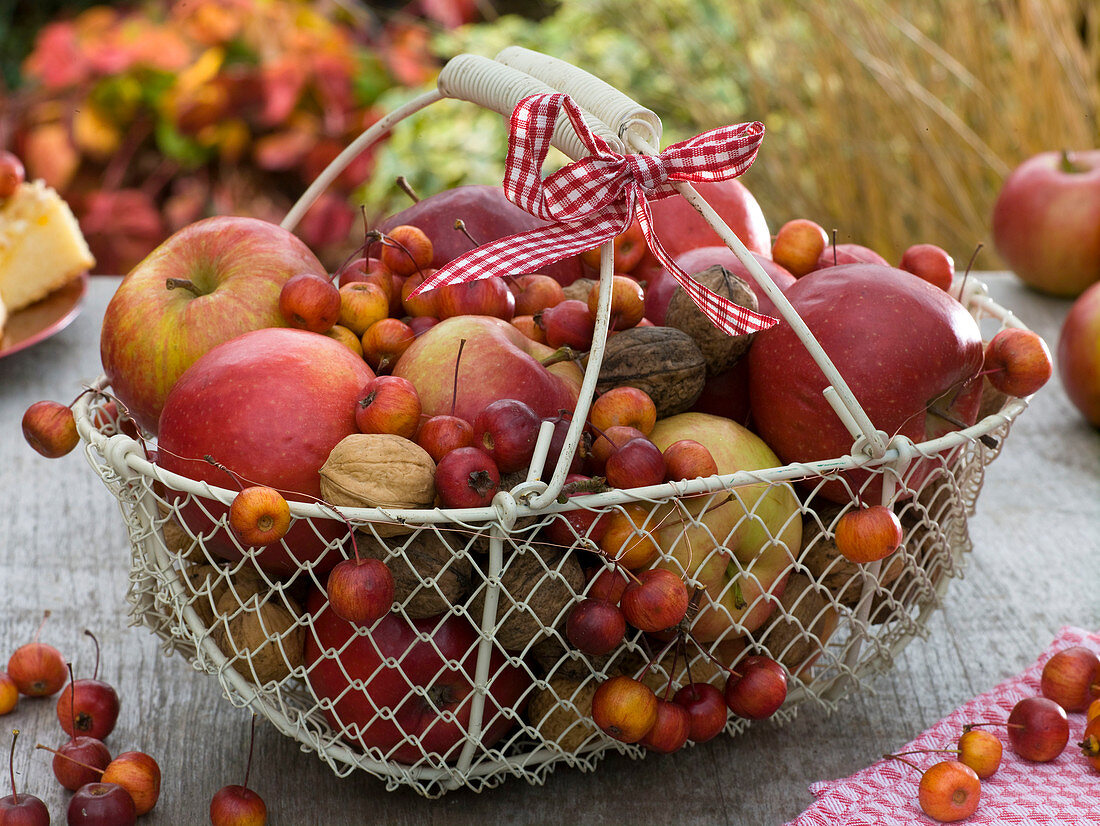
182, 284
969, 266
404, 185
563, 353
654, 660
38, 630
909, 763
72, 701
393, 242
928, 751
11, 766
70, 758
981, 723
95, 671
834, 247
460, 225
454, 386
251, 743
236, 479
708, 655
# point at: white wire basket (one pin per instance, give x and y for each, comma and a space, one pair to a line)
483, 593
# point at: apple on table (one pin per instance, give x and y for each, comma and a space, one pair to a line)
1046, 221
1079, 354
207, 283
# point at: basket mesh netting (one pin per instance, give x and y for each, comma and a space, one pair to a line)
470, 678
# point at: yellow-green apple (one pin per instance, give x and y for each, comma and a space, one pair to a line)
741, 549
403, 679
487, 215
1046, 221
910, 353
1079, 354
207, 283
268, 405
498, 361
662, 285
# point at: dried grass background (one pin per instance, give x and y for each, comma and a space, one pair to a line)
892, 121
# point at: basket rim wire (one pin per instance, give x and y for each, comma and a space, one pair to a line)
497, 85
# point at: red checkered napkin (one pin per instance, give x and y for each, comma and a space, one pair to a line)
1063, 792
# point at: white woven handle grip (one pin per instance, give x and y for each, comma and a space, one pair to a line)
498, 87
622, 114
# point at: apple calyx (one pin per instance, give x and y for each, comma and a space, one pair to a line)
481, 482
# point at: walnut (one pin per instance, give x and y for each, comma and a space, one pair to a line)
796, 634
379, 470
263, 640
537, 585
429, 577
562, 712
664, 362
209, 583
720, 349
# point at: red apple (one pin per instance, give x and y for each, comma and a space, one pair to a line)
498, 361
623, 405
206, 284
487, 214
567, 324
507, 429
101, 804
269, 405
487, 296
1046, 221
635, 464
535, 292
707, 708
467, 477
362, 674
1079, 354
930, 262
309, 301
595, 626
441, 434
1017, 362
868, 534
680, 228
848, 253
756, 687
905, 348
727, 394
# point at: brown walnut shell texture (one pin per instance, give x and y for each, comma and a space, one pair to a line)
664, 362
797, 633
720, 349
562, 712
209, 583
537, 585
379, 470
429, 577
263, 640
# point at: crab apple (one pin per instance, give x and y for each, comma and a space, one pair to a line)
1038, 729
627, 304
37, 668
259, 515
385, 341
608, 583
625, 538
798, 244
595, 626
929, 262
486, 296
981, 750
707, 707
236, 805
406, 249
607, 441
1017, 362
655, 600
9, 694
1090, 742
624, 708
671, 730
366, 268
21, 809
949, 791
79, 761
535, 292
441, 434
467, 477
567, 324
867, 534
361, 591
101, 804
688, 459
88, 706
636, 464
835, 255
527, 325
50, 428
579, 522
623, 405
340, 333
361, 304
506, 429
388, 404
422, 304
756, 688
309, 301
628, 247
1071, 677
138, 774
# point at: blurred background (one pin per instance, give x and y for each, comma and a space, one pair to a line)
891, 121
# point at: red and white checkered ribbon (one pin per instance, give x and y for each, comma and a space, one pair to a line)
594, 199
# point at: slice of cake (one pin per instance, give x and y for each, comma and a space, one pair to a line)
41, 245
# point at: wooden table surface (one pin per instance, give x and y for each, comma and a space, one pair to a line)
1035, 567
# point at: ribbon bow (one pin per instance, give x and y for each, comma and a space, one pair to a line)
594, 199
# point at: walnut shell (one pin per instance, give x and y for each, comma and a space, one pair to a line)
664, 362
263, 640
379, 470
562, 712
796, 634
209, 583
720, 349
429, 577
580, 288
537, 585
